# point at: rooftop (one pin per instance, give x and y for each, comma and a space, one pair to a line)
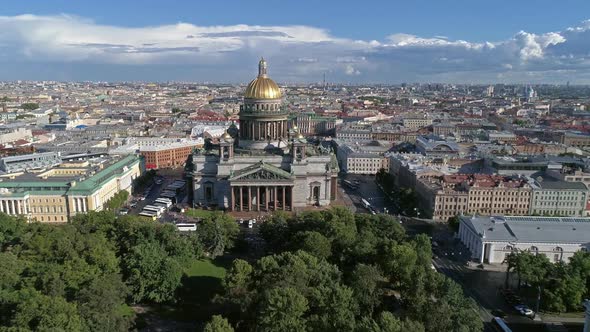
530, 229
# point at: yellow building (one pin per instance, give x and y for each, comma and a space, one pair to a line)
61, 192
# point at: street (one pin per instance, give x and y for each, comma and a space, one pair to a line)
368, 189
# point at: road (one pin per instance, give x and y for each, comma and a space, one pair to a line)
368, 189
154, 193
481, 285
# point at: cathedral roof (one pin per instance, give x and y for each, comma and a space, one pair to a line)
262, 87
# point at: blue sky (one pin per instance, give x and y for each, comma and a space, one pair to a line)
369, 41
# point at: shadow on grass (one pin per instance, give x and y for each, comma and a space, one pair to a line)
193, 305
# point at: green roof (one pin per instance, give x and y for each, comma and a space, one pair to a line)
93, 183
87, 186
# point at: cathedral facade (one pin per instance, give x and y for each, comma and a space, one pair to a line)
265, 166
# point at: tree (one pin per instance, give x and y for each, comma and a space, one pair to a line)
218, 234
29, 106
580, 265
11, 230
282, 310
313, 243
398, 261
367, 282
102, 305
454, 223
218, 324
423, 250
117, 201
151, 274
38, 312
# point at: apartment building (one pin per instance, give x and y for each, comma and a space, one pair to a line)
363, 158
416, 123
447, 196
558, 198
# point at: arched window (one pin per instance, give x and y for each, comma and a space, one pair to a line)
508, 248
534, 250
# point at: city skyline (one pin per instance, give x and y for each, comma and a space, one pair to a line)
68, 42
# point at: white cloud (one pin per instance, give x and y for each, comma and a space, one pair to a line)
295, 53
350, 70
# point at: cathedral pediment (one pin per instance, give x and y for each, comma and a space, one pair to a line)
261, 172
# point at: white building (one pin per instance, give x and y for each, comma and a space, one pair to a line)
491, 239
355, 158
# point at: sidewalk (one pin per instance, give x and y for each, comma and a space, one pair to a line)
560, 319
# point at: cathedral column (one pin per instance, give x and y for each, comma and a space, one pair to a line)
284, 201
19, 207
249, 199
266, 198
241, 199
232, 204
258, 198
291, 198
2, 206
275, 195
12, 207
258, 130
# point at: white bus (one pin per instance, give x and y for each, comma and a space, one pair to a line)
149, 214
165, 201
157, 209
186, 227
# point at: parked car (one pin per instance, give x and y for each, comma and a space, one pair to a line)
133, 205
123, 211
524, 310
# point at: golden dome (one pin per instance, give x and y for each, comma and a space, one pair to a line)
262, 87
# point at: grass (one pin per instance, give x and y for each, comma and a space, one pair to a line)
200, 284
198, 213
578, 314
205, 268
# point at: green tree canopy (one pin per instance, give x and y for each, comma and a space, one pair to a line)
218, 324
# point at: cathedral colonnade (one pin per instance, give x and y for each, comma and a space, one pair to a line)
261, 198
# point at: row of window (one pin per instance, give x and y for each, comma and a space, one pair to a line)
48, 218
47, 209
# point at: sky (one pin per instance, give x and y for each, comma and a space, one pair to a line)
370, 41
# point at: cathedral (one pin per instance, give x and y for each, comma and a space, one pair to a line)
265, 165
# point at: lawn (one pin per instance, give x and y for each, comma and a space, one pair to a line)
198, 213
205, 268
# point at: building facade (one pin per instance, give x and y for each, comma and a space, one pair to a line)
492, 239
558, 198
57, 194
268, 166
